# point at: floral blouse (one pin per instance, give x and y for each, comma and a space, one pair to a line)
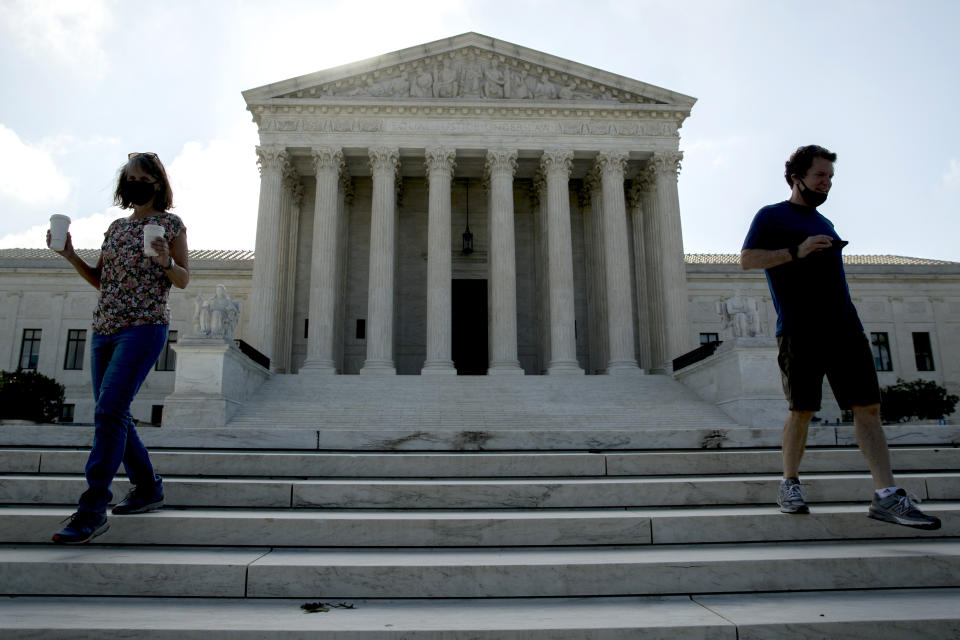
133, 288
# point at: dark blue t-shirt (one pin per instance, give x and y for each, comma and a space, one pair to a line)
810, 294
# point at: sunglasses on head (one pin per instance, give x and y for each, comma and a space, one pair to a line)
135, 154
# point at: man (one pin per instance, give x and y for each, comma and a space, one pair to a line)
819, 333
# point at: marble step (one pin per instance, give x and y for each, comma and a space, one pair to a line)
479, 528
477, 573
492, 493
875, 614
477, 464
518, 437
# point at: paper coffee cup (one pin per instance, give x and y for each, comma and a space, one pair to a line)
59, 225
150, 231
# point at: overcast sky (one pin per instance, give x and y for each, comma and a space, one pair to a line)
86, 81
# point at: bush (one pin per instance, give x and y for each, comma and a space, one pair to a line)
920, 399
28, 395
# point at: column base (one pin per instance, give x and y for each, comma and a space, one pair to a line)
623, 368
321, 367
564, 367
378, 368
439, 368
506, 369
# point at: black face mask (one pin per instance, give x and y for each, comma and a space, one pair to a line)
139, 193
812, 198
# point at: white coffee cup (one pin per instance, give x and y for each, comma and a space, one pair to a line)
59, 225
150, 232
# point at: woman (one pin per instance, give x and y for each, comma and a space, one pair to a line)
129, 332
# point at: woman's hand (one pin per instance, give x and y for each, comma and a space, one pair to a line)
162, 247
67, 251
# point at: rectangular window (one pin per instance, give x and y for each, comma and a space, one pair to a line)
306, 328
168, 357
156, 414
76, 340
361, 329
30, 349
922, 351
66, 412
881, 351
707, 338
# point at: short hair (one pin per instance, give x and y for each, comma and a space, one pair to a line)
150, 164
802, 159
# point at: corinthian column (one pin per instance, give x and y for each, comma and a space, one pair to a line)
595, 259
500, 167
638, 186
290, 222
555, 165
664, 248
327, 163
384, 164
617, 265
263, 296
439, 163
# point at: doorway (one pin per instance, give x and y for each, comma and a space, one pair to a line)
469, 320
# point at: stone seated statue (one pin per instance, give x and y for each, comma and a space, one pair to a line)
217, 316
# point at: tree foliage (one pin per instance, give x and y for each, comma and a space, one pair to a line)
28, 395
919, 399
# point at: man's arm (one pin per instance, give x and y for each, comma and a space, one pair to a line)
769, 258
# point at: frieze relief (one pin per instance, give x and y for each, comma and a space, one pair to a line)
472, 74
585, 128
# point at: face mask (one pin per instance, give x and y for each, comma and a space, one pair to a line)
139, 193
811, 197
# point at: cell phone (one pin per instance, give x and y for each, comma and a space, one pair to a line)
838, 244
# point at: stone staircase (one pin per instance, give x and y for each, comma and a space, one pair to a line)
542, 530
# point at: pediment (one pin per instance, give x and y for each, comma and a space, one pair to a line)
469, 67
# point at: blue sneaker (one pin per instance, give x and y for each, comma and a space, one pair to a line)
84, 526
141, 500
899, 508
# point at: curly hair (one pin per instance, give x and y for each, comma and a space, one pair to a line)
150, 164
802, 159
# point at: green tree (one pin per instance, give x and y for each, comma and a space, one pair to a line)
920, 399
28, 395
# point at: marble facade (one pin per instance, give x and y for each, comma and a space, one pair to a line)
571, 174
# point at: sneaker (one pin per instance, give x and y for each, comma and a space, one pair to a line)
84, 526
790, 497
899, 508
140, 500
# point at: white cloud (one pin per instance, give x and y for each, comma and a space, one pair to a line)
86, 233
66, 31
28, 172
216, 190
951, 177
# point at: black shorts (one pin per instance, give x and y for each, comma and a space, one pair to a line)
846, 359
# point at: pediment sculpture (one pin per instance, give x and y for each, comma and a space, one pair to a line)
471, 73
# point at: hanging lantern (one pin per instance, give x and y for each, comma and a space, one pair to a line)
467, 236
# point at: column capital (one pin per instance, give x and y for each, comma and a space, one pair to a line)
557, 161
327, 159
384, 160
667, 164
296, 193
271, 158
440, 159
612, 162
591, 181
501, 161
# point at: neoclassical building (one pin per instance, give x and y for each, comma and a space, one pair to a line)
471, 205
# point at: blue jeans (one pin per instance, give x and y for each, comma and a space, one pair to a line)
119, 364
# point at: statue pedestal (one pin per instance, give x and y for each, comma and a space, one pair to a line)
743, 379
213, 380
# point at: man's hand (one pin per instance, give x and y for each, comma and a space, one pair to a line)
814, 244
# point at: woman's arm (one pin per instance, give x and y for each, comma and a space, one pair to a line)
90, 274
179, 271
